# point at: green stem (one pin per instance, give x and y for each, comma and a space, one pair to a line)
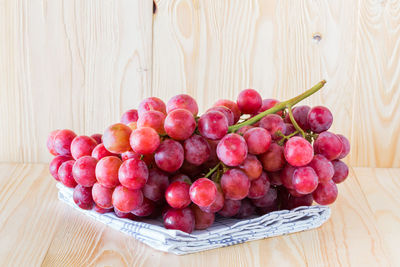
213, 170
278, 107
294, 122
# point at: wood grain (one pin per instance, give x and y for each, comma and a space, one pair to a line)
37, 229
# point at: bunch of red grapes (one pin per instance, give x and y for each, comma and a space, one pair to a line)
238, 159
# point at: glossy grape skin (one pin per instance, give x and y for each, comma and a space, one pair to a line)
62, 142
268, 200
84, 171
246, 209
295, 202
82, 197
275, 178
102, 196
144, 140
133, 174
153, 119
232, 106
130, 155
181, 178
329, 145
50, 142
203, 219
56, 163
101, 210
177, 195
231, 208
274, 159
197, 150
213, 125
226, 111
183, 101
269, 103
180, 219
169, 156
65, 174
298, 151
235, 184
98, 138
146, 209
129, 116
232, 149
258, 140
203, 192
319, 119
156, 185
107, 171
82, 145
151, 103
259, 187
252, 167
218, 204
300, 115
180, 124
305, 180
322, 167
273, 123
287, 176
341, 171
116, 138
345, 146
242, 130
249, 101
326, 193
100, 152
125, 199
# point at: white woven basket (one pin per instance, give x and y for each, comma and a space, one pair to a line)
224, 232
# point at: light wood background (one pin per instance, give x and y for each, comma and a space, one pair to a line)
78, 64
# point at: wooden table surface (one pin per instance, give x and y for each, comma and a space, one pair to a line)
36, 228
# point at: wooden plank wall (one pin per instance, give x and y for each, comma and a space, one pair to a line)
79, 64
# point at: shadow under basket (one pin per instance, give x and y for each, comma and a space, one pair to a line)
224, 232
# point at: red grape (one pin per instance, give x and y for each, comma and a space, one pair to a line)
133, 174
298, 151
169, 156
82, 197
246, 209
180, 124
101, 210
130, 155
319, 119
125, 199
273, 123
98, 138
231, 208
180, 219
300, 114
249, 101
232, 149
295, 202
177, 195
259, 187
82, 146
50, 142
153, 119
190, 169
151, 103
213, 125
203, 219
124, 215
116, 138
242, 130
305, 180
62, 142
129, 116
252, 167
181, 178
326, 193
268, 200
100, 152
232, 106
295, 193
84, 171
197, 150
345, 146
156, 185
275, 178
258, 140
146, 209
329, 145
226, 111
144, 140
235, 184
55, 165
203, 192
102, 196
269, 103
183, 102
274, 159
218, 204
289, 129
341, 171
107, 171
65, 174
133, 125
322, 167
287, 176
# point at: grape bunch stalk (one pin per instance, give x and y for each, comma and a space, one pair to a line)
238, 159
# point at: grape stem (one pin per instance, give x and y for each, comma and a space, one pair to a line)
294, 122
213, 170
281, 106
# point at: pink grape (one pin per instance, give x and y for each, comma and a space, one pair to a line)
341, 171
249, 101
246, 209
146, 209
203, 192
252, 167
275, 178
218, 204
322, 167
62, 142
319, 119
180, 219
203, 219
65, 174
84, 171
329, 145
133, 174
305, 180
190, 169
102, 196
298, 151
294, 193
213, 125
235, 184
50, 142
169, 156
231, 208
82, 146
151, 103
183, 101
258, 140
101, 210
242, 130
345, 146
125, 215
98, 138
269, 103
287, 176
156, 185
295, 202
144, 140
326, 193
232, 106
180, 124
181, 178
274, 159
153, 119
55, 165
125, 199
107, 171
226, 111
232, 149
197, 150
100, 152
116, 138
259, 187
289, 129
129, 116
177, 195
300, 114
82, 197
130, 155
268, 200
273, 123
